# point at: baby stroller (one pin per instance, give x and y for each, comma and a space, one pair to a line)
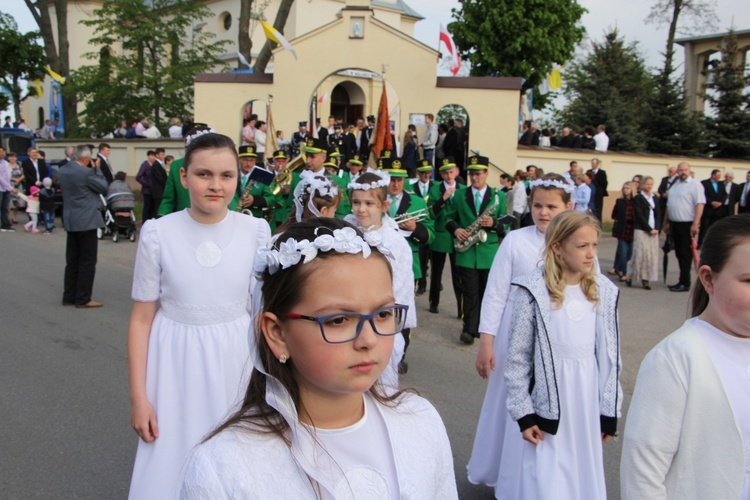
119, 218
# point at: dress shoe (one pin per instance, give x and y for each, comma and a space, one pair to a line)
403, 367
646, 285
467, 338
434, 309
628, 281
421, 290
89, 305
679, 288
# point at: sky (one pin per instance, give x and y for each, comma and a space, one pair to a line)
628, 16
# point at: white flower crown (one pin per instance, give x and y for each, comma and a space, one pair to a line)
291, 251
310, 182
552, 183
385, 179
199, 133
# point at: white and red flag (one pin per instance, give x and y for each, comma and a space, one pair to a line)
447, 39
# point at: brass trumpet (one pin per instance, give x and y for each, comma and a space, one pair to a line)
417, 216
285, 177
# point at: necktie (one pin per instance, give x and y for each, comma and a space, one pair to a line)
716, 187
244, 181
393, 208
477, 200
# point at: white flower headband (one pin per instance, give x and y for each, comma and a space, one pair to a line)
310, 182
385, 179
291, 251
198, 134
552, 183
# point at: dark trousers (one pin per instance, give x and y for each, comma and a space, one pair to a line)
148, 207
80, 266
406, 332
4, 205
424, 256
473, 282
683, 251
437, 259
600, 206
707, 221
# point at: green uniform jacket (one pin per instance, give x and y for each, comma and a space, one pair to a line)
345, 207
176, 197
439, 209
262, 198
463, 214
284, 202
424, 232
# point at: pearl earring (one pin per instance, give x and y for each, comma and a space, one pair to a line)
282, 359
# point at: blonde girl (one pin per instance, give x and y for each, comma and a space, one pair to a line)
315, 423
563, 367
519, 254
188, 356
368, 197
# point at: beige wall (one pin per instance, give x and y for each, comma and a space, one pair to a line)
621, 167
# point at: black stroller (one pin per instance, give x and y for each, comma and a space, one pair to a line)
119, 218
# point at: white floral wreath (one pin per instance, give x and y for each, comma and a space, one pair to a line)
385, 179
310, 182
291, 251
198, 133
552, 183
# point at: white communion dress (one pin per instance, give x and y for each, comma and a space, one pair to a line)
198, 359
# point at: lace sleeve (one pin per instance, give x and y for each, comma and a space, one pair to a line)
147, 273
200, 479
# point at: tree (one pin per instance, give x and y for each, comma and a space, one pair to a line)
512, 38
244, 41
23, 60
57, 53
455, 111
610, 86
147, 63
730, 129
265, 54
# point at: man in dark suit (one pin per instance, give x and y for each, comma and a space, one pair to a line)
600, 178
321, 130
81, 184
666, 183
716, 195
102, 161
743, 199
451, 141
34, 170
733, 193
158, 177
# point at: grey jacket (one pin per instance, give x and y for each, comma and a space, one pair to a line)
81, 187
530, 371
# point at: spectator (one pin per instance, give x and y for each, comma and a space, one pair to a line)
439, 152
664, 185
248, 131
545, 140
733, 194
16, 178
530, 136
409, 157
601, 139
150, 132
588, 140
8, 123
684, 211
158, 177
624, 222
744, 196
637, 181
22, 124
175, 128
143, 177
6, 190
566, 141
119, 187
553, 140
582, 193
430, 138
520, 205
81, 186
260, 141
283, 144
570, 175
591, 183
34, 170
102, 161
168, 162
140, 127
188, 124
131, 133
716, 195
577, 140
47, 205
600, 190
644, 265
462, 137
32, 209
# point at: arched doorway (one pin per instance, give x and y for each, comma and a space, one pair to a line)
348, 101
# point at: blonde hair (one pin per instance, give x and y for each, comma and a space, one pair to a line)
560, 229
633, 190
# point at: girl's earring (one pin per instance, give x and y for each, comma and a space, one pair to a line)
282, 359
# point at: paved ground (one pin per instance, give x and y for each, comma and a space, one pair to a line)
64, 402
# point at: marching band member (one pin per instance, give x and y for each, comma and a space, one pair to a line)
477, 208
422, 188
284, 196
253, 196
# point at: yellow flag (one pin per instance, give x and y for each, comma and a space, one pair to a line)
38, 85
273, 35
55, 76
555, 79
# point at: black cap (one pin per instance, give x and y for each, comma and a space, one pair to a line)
478, 163
303, 124
317, 120
248, 152
337, 126
315, 145
371, 118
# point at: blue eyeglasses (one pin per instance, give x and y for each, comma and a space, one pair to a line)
338, 328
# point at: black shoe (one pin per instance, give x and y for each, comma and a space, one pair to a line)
421, 290
66, 303
434, 309
679, 288
403, 367
467, 338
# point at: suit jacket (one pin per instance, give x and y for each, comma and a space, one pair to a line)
746, 208
713, 195
158, 180
350, 146
322, 133
420, 193
450, 143
734, 198
81, 187
601, 182
106, 168
464, 213
29, 173
439, 210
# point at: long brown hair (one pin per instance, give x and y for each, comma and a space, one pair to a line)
721, 239
281, 292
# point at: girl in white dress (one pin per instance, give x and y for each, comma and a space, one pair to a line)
369, 206
687, 434
314, 423
189, 358
519, 254
563, 367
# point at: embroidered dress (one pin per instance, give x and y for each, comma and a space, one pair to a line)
568, 465
197, 366
519, 254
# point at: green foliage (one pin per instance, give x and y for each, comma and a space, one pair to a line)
455, 111
729, 130
512, 38
147, 63
610, 86
22, 59
671, 127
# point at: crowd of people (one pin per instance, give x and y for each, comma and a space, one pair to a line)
572, 137
242, 371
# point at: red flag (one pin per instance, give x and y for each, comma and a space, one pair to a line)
383, 127
447, 39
